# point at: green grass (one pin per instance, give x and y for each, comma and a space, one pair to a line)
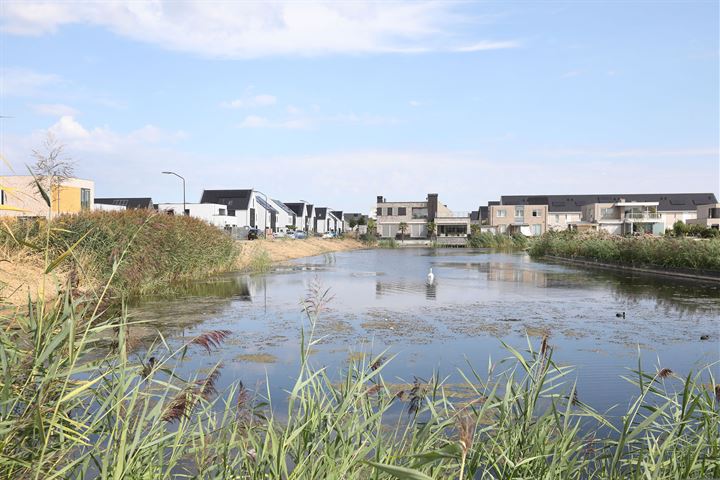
387, 243
161, 249
668, 252
76, 401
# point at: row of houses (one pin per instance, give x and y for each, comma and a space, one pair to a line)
535, 215
226, 209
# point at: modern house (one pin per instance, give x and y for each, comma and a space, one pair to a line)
707, 215
566, 210
20, 197
130, 203
340, 221
248, 206
621, 218
530, 220
304, 215
213, 213
286, 217
326, 221
417, 215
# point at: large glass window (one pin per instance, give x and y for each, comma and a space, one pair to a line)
419, 212
519, 212
85, 199
500, 213
537, 213
402, 211
379, 211
389, 211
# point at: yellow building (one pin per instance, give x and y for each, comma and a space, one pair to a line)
19, 197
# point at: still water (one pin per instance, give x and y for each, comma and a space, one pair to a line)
381, 302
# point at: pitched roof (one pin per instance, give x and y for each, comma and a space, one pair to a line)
309, 207
283, 207
266, 205
234, 199
298, 208
130, 203
338, 214
321, 213
668, 202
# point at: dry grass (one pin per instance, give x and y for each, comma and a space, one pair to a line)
280, 250
21, 274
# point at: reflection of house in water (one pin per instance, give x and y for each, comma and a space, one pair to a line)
401, 286
507, 272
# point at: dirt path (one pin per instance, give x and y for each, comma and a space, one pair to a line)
257, 252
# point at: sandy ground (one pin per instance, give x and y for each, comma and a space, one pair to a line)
22, 274
279, 250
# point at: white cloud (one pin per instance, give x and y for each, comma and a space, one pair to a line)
257, 29
635, 152
23, 82
54, 109
298, 121
129, 163
251, 101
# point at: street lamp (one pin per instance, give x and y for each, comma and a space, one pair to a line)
183, 180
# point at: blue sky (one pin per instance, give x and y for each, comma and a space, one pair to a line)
339, 102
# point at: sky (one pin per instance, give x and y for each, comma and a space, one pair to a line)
338, 102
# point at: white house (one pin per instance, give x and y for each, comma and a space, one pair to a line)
213, 213
304, 215
249, 207
285, 216
326, 221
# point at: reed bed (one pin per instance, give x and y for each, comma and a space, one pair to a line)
647, 250
78, 400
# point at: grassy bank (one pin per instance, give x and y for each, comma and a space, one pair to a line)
76, 402
260, 255
649, 251
501, 241
86, 249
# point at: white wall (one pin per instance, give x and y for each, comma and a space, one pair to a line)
108, 208
212, 213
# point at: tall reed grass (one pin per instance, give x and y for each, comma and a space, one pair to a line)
669, 252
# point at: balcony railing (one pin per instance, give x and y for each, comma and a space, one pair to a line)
454, 215
642, 216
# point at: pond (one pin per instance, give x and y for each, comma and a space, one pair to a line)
381, 302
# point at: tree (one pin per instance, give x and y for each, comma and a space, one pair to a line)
352, 223
52, 168
431, 229
403, 228
362, 220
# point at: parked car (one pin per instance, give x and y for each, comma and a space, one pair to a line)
300, 234
253, 233
279, 234
329, 235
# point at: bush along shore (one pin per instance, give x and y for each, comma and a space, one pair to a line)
140, 251
77, 402
644, 251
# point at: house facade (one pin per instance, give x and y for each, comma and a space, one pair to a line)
707, 215
304, 215
621, 218
248, 206
213, 213
566, 210
20, 197
326, 221
529, 220
286, 218
416, 215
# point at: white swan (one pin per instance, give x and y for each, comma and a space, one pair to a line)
430, 277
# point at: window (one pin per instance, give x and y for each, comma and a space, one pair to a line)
402, 211
84, 199
419, 212
537, 213
379, 212
557, 218
500, 213
537, 230
519, 212
607, 212
222, 211
389, 211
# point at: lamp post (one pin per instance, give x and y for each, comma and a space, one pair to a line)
265, 208
183, 180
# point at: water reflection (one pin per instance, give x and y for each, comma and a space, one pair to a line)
431, 291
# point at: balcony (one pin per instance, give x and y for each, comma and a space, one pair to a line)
454, 215
642, 216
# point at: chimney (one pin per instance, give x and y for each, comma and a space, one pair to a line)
432, 206
380, 199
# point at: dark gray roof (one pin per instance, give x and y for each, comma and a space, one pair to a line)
321, 213
266, 205
352, 216
297, 208
338, 214
475, 215
283, 207
668, 202
234, 199
130, 203
309, 210
484, 213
